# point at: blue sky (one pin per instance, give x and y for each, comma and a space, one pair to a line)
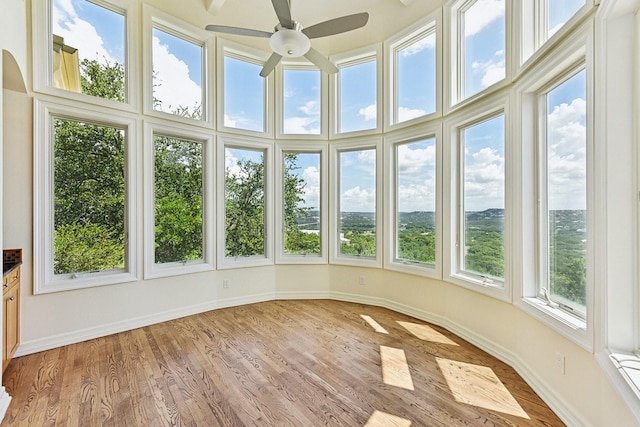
99, 33
560, 11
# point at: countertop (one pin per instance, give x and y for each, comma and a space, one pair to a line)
8, 267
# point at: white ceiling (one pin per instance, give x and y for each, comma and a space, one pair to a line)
386, 17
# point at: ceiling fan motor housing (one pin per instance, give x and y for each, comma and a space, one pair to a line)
290, 43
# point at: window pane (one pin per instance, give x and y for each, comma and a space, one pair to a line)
483, 198
177, 75
358, 95
243, 95
244, 202
357, 230
301, 101
301, 203
567, 191
416, 79
416, 201
559, 12
484, 45
88, 49
178, 200
89, 197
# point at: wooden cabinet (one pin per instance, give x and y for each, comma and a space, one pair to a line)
11, 308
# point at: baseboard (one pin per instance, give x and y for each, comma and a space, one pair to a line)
5, 399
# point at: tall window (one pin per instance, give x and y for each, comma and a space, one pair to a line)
88, 49
357, 204
415, 202
481, 41
89, 198
564, 193
358, 93
177, 75
301, 190
302, 102
415, 77
244, 95
244, 196
482, 200
179, 195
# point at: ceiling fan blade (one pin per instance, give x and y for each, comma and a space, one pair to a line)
283, 10
270, 64
320, 61
337, 25
238, 31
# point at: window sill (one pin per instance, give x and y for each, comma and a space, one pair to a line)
623, 369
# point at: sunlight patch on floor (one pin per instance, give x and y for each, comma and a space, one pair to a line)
395, 369
479, 386
375, 325
382, 419
426, 333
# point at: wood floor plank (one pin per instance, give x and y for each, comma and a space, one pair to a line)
284, 363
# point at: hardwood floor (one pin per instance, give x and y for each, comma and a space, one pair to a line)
281, 363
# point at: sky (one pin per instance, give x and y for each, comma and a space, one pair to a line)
99, 34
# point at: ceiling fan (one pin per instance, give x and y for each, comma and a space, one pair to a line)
291, 40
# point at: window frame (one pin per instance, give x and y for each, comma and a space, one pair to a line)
316, 148
430, 24
347, 59
391, 142
154, 18
256, 57
224, 262
279, 95
453, 178
576, 48
151, 269
45, 281
372, 143
42, 57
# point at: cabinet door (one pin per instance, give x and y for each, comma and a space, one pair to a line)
11, 323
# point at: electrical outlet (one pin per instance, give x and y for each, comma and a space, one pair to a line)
361, 280
226, 283
560, 362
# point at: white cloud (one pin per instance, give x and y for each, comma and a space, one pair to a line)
172, 84
302, 125
311, 193
428, 42
405, 114
484, 180
492, 70
311, 108
367, 157
567, 155
482, 14
370, 112
78, 33
416, 180
415, 160
229, 122
357, 199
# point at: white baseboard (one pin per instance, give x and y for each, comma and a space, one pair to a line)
5, 399
551, 398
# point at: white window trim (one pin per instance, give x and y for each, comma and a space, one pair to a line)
574, 49
151, 269
347, 59
44, 279
374, 143
322, 150
391, 142
254, 56
279, 92
431, 24
267, 258
42, 55
154, 18
453, 73
481, 111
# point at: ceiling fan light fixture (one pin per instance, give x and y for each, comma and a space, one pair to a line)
289, 43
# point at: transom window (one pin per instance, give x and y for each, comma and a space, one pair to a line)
244, 95
358, 94
301, 101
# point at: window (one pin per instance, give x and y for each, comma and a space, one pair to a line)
245, 196
244, 95
89, 49
301, 175
414, 209
563, 193
357, 215
358, 95
558, 13
302, 102
177, 63
84, 215
415, 77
